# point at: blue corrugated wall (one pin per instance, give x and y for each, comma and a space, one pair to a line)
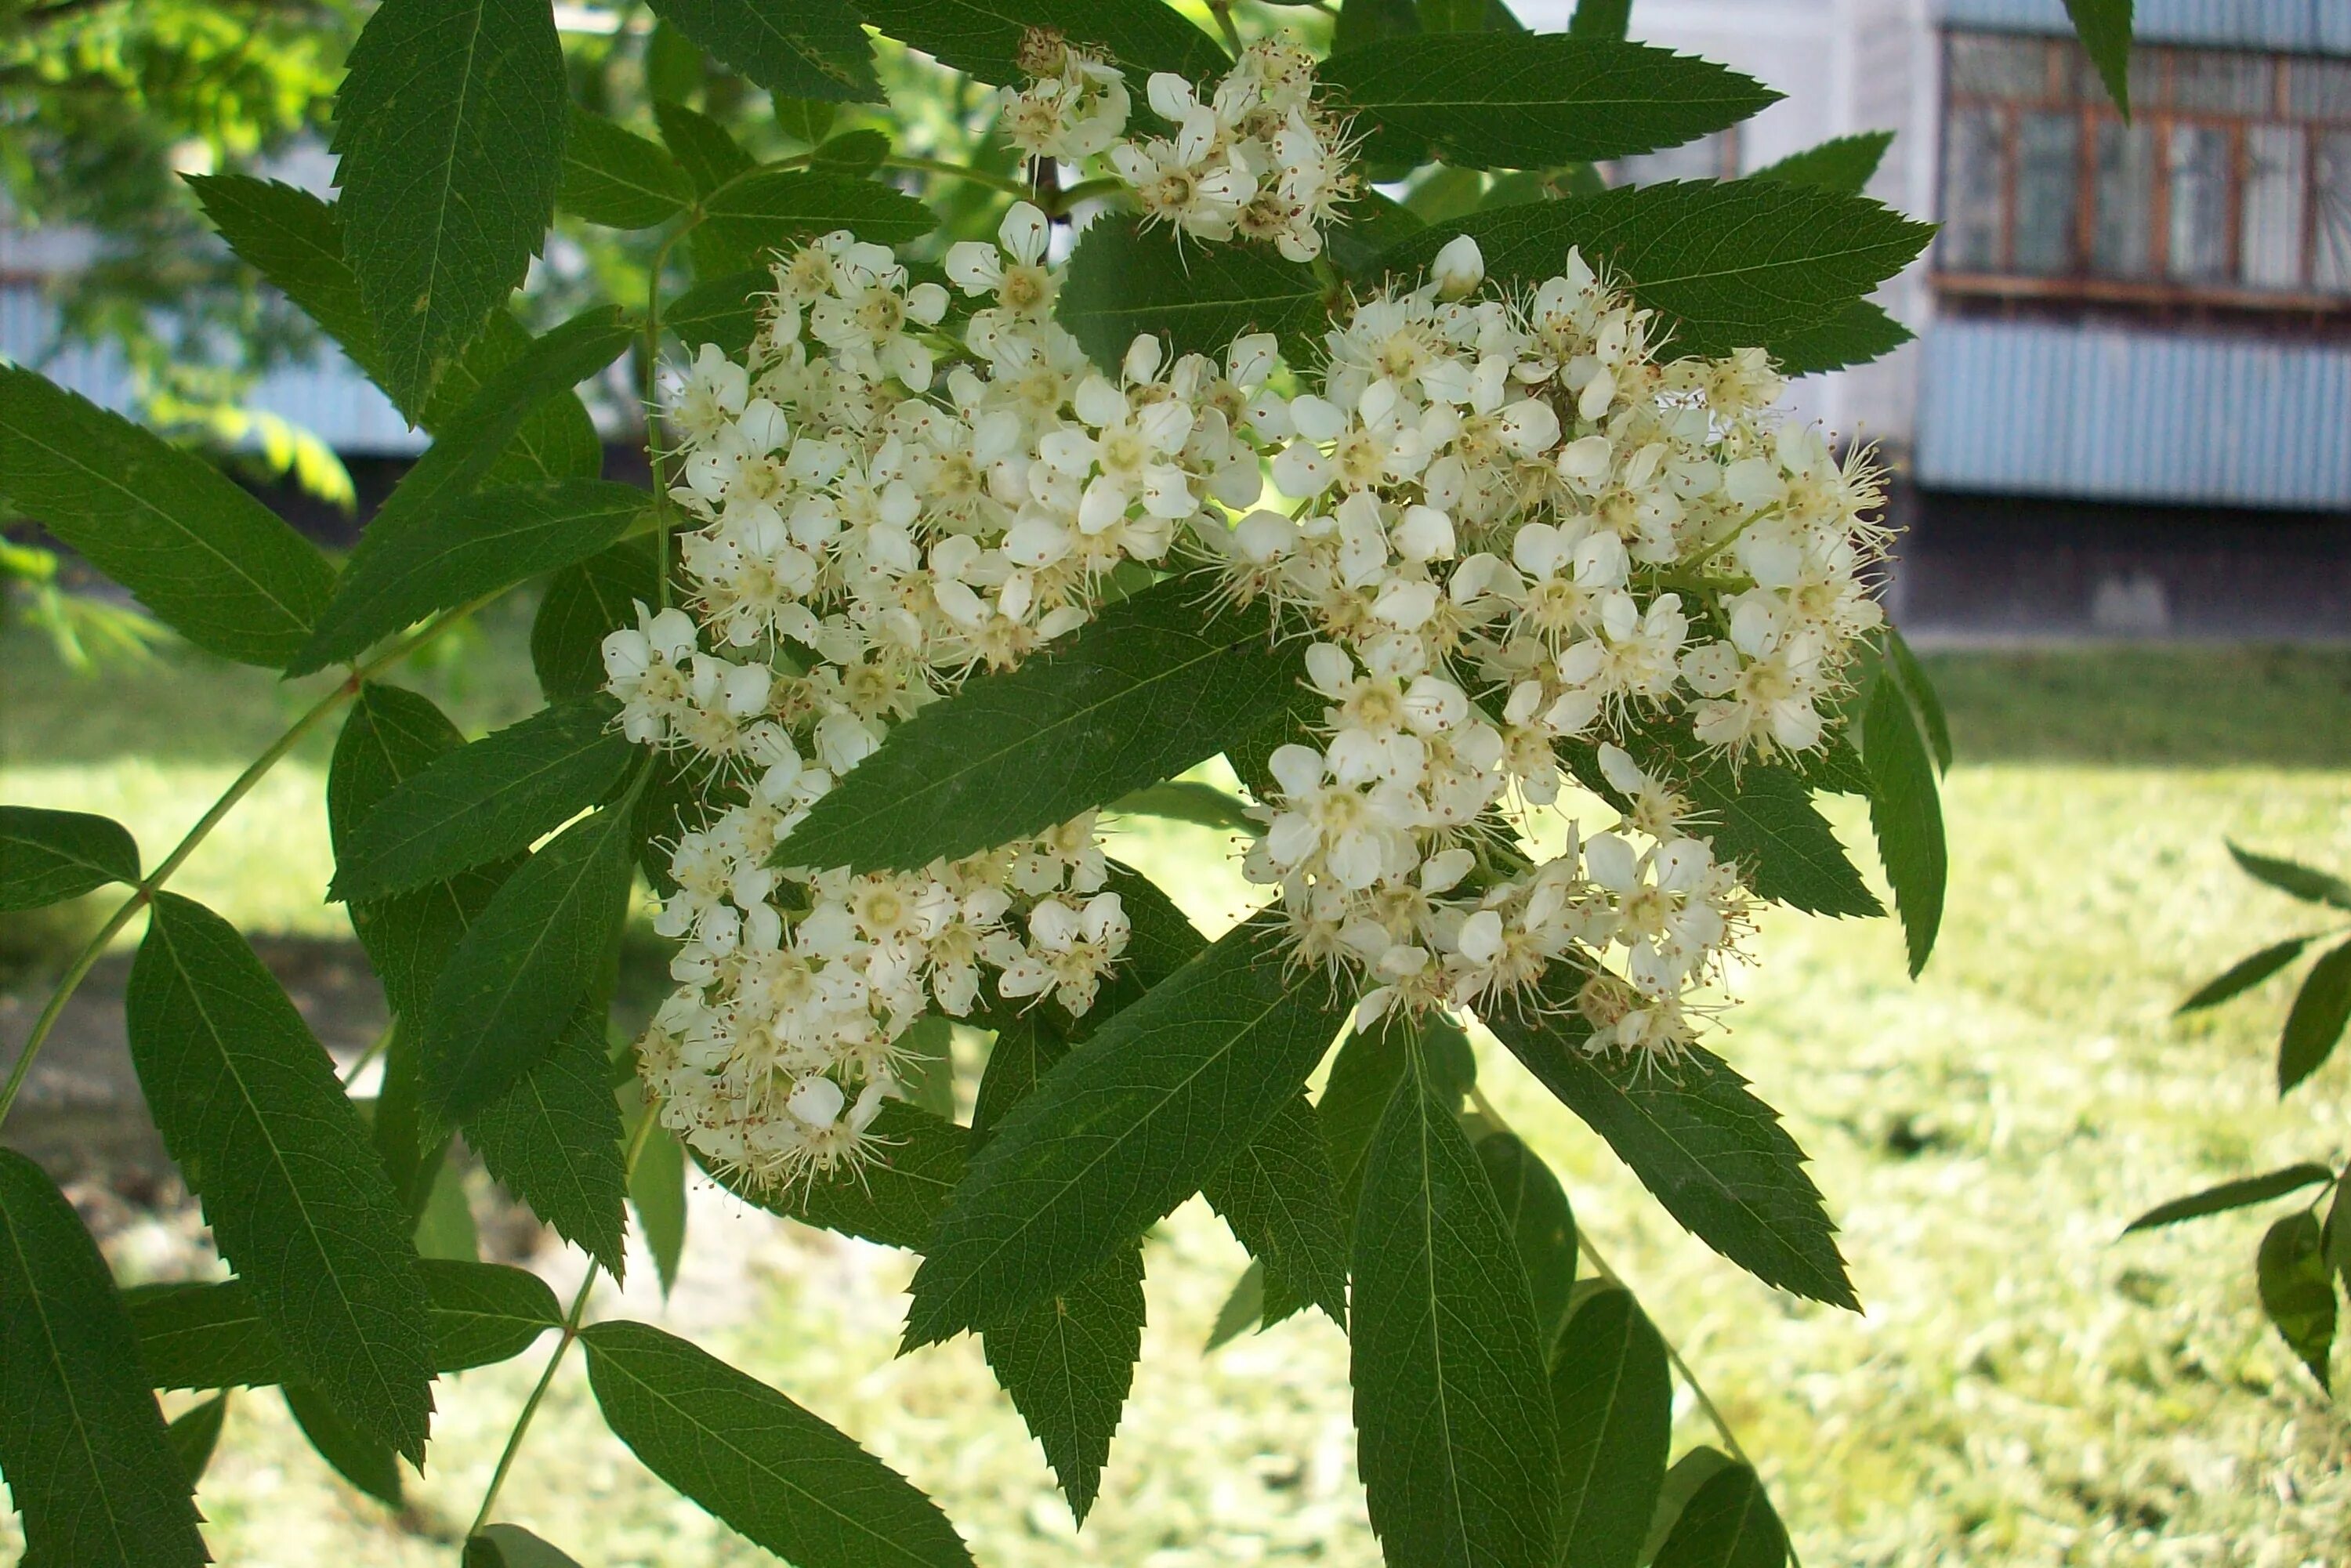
2107, 413
2307, 27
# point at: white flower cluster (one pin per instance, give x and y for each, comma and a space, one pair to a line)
1516, 497
1260, 159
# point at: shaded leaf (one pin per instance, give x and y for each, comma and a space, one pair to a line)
205, 556
2315, 1024
1714, 1154
195, 1433
2244, 974
1728, 265
1906, 814
1280, 1198
757, 212
1068, 1363
215, 1336
1144, 691
853, 152
1120, 1132
1456, 1437
250, 1110
554, 1141
1244, 1309
1728, 1522
1505, 100
1027, 1044
444, 1224
2306, 883
1841, 163
1921, 693
1765, 818
449, 135
896, 1201
520, 971
480, 545
724, 310
365, 1461
2297, 1290
1691, 1472
48, 857
1124, 280
926, 1064
484, 801
2338, 1237
1856, 335
781, 1476
657, 1193
794, 49
89, 1465
1185, 800
1535, 1209
983, 37
583, 605
1600, 18
2228, 1195
511, 1546
704, 149
2104, 26
1614, 1398
617, 178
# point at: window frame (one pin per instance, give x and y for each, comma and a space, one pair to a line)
2064, 92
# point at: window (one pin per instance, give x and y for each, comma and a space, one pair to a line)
2232, 182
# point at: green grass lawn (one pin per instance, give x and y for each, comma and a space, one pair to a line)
2023, 1388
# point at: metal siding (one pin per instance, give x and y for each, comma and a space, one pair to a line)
2104, 413
329, 399
2305, 26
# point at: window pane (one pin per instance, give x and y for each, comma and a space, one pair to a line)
1971, 191
2198, 165
1992, 66
2272, 236
2331, 268
2320, 89
2222, 83
2122, 241
2048, 149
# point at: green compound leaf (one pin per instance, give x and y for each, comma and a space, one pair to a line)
786, 1479
1856, 335
1534, 1207
1185, 800
2297, 1290
617, 178
1244, 1309
2104, 26
1728, 1522
392, 736
2244, 974
1841, 163
2239, 1194
1614, 1398
2315, 1024
1531, 100
1455, 1439
554, 1141
1921, 693
48, 857
724, 310
658, 1194
983, 37
2306, 883
896, 1201
512, 1546
194, 1433
1763, 817
1123, 1129
794, 49
1027, 1044
1126, 281
296, 241
1282, 1202
759, 210
1727, 266
213, 1336
250, 1110
484, 801
703, 147
1068, 1363
583, 605
1600, 18
469, 549
211, 561
1713, 1154
521, 970
1906, 814
449, 132
1152, 686
496, 417
364, 1460
89, 1463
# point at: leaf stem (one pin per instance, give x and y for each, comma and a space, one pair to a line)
145, 894
649, 388
956, 172
1086, 191
571, 1323
1222, 12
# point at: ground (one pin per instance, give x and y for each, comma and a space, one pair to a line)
2023, 1388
